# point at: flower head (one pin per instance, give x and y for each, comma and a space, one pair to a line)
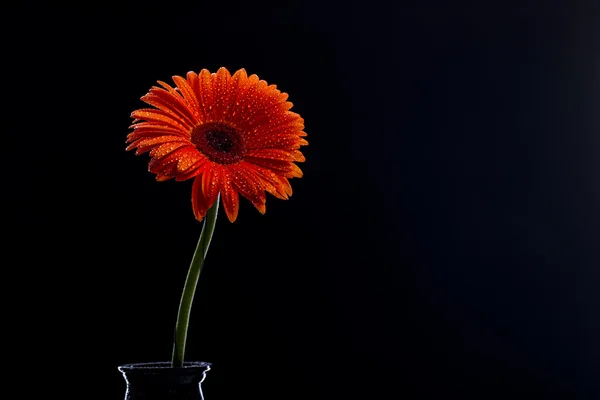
233, 134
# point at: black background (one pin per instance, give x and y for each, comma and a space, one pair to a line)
444, 241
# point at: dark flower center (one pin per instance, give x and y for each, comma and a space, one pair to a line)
220, 142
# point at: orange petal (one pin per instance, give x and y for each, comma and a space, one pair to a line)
166, 173
164, 149
206, 94
249, 186
271, 105
170, 104
235, 89
288, 123
169, 88
296, 172
189, 96
279, 141
182, 159
198, 204
201, 199
146, 144
229, 195
162, 178
220, 91
273, 165
194, 82
151, 114
148, 130
193, 171
188, 159
276, 154
160, 164
242, 111
269, 179
286, 185
211, 176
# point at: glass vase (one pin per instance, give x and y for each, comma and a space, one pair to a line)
161, 381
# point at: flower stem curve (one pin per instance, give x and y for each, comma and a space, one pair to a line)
191, 281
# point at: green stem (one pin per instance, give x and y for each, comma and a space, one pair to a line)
187, 297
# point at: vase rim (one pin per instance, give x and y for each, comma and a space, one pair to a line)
163, 365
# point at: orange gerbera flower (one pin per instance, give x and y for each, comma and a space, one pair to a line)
232, 134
